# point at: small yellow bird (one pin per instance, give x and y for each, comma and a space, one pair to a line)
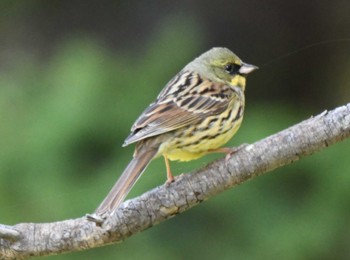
198, 111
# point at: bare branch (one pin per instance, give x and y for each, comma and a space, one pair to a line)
29, 239
9, 232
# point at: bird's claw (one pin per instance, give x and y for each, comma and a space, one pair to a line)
169, 181
234, 150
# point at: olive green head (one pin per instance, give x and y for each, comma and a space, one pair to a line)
221, 65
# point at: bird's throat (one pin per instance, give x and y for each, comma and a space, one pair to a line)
239, 81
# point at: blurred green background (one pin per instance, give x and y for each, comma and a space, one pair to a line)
74, 75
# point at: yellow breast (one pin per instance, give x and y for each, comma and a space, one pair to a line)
194, 141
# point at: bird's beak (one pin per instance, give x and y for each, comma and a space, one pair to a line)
247, 68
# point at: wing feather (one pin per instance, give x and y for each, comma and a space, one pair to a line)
199, 98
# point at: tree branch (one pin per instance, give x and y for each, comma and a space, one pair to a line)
29, 239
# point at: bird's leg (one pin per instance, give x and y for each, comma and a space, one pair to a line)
170, 177
226, 150
229, 151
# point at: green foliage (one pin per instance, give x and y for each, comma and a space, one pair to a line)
62, 124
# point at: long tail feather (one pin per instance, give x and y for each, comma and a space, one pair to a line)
125, 182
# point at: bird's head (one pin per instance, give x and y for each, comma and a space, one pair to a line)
222, 65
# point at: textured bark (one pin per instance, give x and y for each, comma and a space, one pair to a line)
29, 239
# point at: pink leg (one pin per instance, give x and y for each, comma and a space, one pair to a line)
170, 177
229, 151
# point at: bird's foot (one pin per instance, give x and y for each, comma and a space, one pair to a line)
170, 179
232, 150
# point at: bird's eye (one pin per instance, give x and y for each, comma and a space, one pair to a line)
232, 68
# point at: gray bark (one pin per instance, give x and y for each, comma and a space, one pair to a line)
38, 239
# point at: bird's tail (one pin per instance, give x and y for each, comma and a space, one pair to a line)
126, 181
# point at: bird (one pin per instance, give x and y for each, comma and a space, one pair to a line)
198, 111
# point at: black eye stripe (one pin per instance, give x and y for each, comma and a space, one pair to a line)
232, 68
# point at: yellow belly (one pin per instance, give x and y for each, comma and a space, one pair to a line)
193, 142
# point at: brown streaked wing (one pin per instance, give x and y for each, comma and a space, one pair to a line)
200, 99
